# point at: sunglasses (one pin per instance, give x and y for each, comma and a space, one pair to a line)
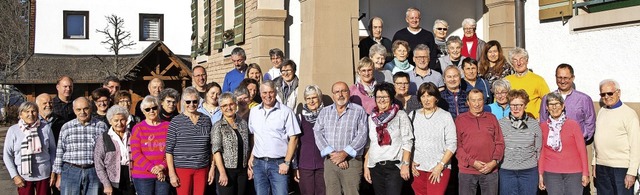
152, 108
607, 94
441, 28
191, 101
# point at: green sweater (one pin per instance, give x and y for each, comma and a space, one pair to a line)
617, 138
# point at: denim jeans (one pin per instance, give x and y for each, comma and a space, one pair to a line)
151, 186
76, 180
266, 177
610, 180
524, 182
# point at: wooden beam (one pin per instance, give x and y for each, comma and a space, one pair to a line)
167, 68
165, 78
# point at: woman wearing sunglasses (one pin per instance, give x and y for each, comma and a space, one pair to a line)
147, 151
188, 150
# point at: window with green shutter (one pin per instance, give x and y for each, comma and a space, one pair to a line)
194, 28
207, 28
218, 29
238, 26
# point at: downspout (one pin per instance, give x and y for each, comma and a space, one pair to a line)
520, 23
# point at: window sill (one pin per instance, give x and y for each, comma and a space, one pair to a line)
605, 19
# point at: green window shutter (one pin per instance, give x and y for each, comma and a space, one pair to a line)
238, 22
218, 29
207, 27
194, 28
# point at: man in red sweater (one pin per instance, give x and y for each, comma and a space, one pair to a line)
480, 148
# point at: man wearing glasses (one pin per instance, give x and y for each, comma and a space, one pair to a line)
579, 106
535, 86
233, 78
422, 73
617, 143
341, 134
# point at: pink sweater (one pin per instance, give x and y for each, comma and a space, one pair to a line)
572, 158
147, 148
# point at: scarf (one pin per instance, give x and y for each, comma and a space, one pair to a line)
30, 145
519, 123
555, 126
309, 115
381, 120
402, 65
474, 47
366, 90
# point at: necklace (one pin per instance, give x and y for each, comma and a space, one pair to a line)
425, 114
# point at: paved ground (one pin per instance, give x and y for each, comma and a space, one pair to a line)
6, 184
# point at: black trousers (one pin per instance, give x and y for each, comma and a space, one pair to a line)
237, 182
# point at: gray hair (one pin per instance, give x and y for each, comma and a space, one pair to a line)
501, 83
238, 51
312, 89
27, 105
276, 52
148, 100
377, 49
116, 110
227, 95
421, 47
469, 21
440, 21
454, 39
610, 81
241, 91
169, 92
412, 9
451, 67
189, 91
554, 96
269, 83
518, 51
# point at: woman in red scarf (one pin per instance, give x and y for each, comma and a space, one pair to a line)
388, 158
471, 45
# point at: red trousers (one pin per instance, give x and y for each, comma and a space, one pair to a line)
35, 187
192, 181
422, 186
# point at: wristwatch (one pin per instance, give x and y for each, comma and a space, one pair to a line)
443, 164
288, 163
405, 163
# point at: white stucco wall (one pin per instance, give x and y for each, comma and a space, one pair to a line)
598, 54
295, 30
49, 25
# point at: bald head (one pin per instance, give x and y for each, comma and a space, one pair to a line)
155, 86
45, 105
64, 86
341, 93
82, 109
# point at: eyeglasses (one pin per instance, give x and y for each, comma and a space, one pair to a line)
516, 105
469, 29
382, 97
608, 93
341, 91
402, 84
554, 104
191, 102
286, 71
441, 28
151, 108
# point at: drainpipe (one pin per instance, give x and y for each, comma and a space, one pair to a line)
520, 23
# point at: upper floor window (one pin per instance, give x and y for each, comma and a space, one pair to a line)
76, 24
151, 27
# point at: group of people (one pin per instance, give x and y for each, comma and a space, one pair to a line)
436, 112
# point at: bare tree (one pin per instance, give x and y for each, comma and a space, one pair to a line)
116, 38
14, 45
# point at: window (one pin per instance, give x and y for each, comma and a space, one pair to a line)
76, 24
151, 27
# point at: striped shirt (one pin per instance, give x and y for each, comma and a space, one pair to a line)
147, 148
433, 137
188, 143
347, 131
77, 142
521, 146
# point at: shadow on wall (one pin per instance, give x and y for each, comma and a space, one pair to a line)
393, 14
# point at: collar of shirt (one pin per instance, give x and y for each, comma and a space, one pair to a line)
122, 144
267, 111
617, 105
415, 73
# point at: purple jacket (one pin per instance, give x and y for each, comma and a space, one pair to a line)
309, 154
579, 107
